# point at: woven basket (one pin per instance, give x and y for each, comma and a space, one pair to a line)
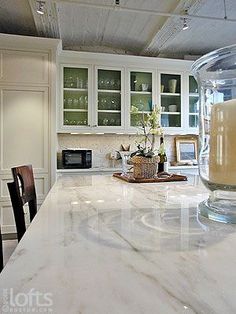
144, 167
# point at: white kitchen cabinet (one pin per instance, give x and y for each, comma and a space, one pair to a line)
141, 95
76, 97
141, 86
24, 124
171, 100
193, 107
109, 98
91, 99
24, 133
27, 115
24, 67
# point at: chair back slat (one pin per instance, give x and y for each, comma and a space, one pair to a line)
22, 191
24, 179
1, 252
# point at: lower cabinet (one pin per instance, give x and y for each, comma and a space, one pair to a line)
25, 138
27, 115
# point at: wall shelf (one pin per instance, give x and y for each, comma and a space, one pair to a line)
171, 113
140, 93
75, 89
75, 110
170, 94
112, 91
110, 111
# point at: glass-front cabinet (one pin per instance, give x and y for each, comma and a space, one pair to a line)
141, 95
101, 98
193, 103
75, 97
170, 99
109, 98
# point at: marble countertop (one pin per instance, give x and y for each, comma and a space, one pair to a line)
103, 246
102, 169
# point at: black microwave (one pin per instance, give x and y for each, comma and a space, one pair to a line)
76, 158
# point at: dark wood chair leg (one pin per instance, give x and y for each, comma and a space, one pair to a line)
1, 252
32, 209
18, 210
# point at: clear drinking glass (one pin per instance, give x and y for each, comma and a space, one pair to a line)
216, 77
69, 102
125, 156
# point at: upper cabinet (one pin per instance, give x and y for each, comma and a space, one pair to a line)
140, 95
110, 93
75, 96
109, 98
171, 100
24, 67
193, 102
84, 109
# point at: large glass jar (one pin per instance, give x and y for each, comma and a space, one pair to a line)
216, 77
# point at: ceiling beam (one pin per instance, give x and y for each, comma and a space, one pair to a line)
172, 26
47, 25
144, 11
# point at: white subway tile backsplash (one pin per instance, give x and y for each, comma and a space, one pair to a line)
103, 145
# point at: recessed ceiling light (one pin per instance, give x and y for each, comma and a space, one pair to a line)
40, 7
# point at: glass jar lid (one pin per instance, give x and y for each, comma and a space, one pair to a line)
217, 66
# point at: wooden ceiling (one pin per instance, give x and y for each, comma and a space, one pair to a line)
103, 27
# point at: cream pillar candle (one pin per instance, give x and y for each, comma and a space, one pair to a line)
222, 157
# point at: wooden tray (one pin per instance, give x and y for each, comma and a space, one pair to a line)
161, 177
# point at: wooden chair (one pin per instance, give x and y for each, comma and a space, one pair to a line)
1, 252
22, 191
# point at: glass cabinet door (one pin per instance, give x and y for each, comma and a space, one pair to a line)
109, 98
170, 100
75, 96
140, 96
193, 103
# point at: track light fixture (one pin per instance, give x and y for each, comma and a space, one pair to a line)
185, 25
40, 7
117, 2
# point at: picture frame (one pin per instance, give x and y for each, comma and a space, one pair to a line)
186, 149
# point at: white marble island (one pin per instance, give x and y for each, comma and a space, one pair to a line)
102, 246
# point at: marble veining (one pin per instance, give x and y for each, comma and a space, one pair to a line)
100, 245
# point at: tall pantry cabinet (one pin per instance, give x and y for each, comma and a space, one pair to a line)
27, 114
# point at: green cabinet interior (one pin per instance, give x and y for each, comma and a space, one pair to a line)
140, 96
193, 103
109, 98
170, 100
75, 96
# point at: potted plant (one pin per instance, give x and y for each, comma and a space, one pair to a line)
145, 158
